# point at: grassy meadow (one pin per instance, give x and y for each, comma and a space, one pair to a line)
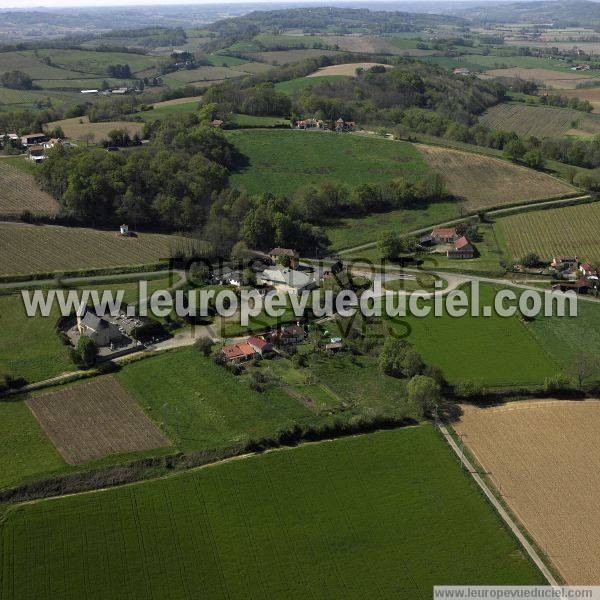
274, 163
329, 519
300, 84
493, 351
348, 232
26, 450
44, 356
204, 405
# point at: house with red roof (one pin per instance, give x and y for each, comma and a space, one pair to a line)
461, 249
259, 344
241, 352
588, 271
444, 235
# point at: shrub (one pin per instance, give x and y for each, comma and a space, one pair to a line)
204, 345
557, 383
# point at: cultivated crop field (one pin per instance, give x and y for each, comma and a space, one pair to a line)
95, 419
484, 182
371, 45
19, 192
283, 161
543, 457
327, 519
554, 79
47, 248
540, 121
78, 128
572, 230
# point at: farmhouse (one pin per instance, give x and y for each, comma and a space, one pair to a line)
242, 352
588, 271
462, 249
36, 153
444, 235
341, 125
292, 334
562, 263
259, 344
581, 286
218, 123
285, 279
278, 255
310, 124
99, 330
461, 71
33, 139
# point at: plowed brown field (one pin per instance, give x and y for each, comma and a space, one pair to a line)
543, 456
92, 420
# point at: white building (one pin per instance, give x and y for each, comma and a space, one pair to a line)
287, 280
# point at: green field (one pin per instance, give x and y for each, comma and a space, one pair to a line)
207, 407
162, 112
26, 450
96, 63
540, 121
302, 83
349, 232
383, 515
572, 230
283, 161
43, 355
493, 351
29, 347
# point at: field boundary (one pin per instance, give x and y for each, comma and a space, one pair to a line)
499, 508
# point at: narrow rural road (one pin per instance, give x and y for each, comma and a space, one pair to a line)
531, 551
80, 280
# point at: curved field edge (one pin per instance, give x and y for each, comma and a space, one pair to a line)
323, 520
484, 182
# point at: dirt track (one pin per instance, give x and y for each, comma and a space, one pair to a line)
544, 458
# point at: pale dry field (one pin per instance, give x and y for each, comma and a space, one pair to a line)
176, 101
543, 457
485, 182
553, 79
592, 95
345, 69
371, 45
78, 128
20, 192
93, 420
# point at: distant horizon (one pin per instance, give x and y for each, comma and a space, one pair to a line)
49, 4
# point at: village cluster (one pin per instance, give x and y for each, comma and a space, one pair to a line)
579, 276
35, 145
